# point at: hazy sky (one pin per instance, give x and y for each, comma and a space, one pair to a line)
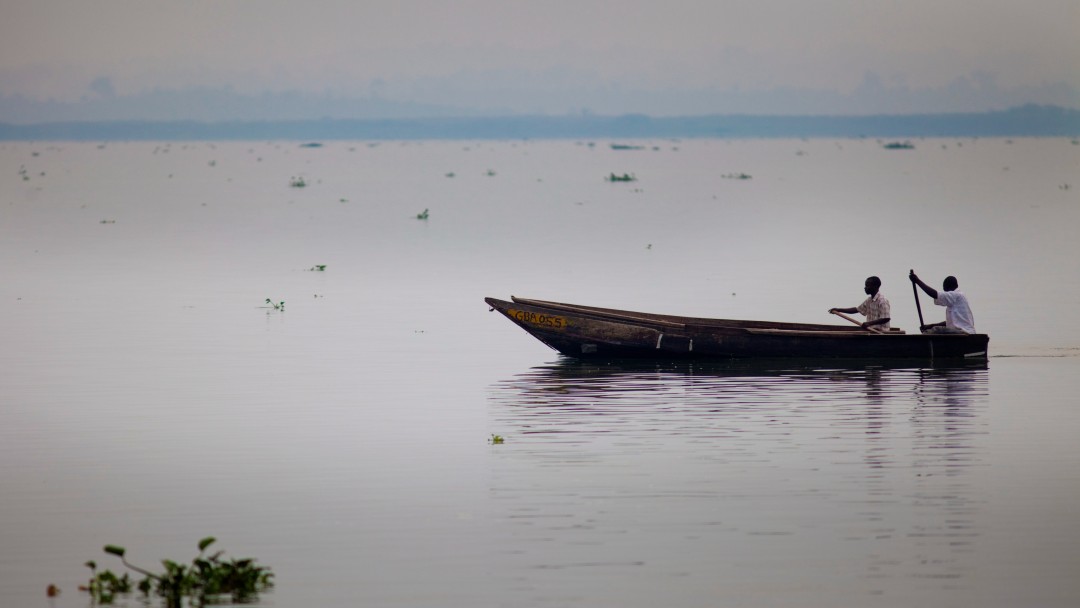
553, 56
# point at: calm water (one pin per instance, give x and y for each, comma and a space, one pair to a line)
149, 396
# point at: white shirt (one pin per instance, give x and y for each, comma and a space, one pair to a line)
957, 312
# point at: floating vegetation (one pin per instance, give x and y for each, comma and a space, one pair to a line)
206, 581
297, 182
496, 439
490, 173
280, 306
451, 174
423, 215
212, 163
313, 144
626, 147
737, 176
317, 268
1065, 187
107, 222
105, 586
899, 145
625, 177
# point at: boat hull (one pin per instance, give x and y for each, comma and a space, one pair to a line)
586, 332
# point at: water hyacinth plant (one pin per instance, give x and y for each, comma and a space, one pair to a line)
206, 581
104, 586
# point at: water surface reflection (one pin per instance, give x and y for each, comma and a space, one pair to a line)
568, 396
760, 467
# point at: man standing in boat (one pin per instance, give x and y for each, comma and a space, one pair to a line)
875, 308
958, 317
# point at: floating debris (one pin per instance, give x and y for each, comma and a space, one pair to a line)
313, 144
737, 176
318, 268
297, 182
626, 147
496, 439
625, 177
423, 215
279, 306
899, 145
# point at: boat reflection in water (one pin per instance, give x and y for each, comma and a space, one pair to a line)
572, 396
863, 469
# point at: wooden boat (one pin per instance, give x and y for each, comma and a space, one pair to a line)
587, 332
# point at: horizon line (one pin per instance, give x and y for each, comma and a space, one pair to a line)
1024, 120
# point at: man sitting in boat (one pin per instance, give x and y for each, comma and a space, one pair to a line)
958, 317
875, 308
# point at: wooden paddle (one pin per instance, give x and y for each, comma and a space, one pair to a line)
918, 306
856, 322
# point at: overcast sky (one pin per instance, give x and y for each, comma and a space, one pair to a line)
552, 56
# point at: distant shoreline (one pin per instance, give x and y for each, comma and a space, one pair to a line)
1022, 121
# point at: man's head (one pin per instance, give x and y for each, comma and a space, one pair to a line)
949, 284
872, 285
